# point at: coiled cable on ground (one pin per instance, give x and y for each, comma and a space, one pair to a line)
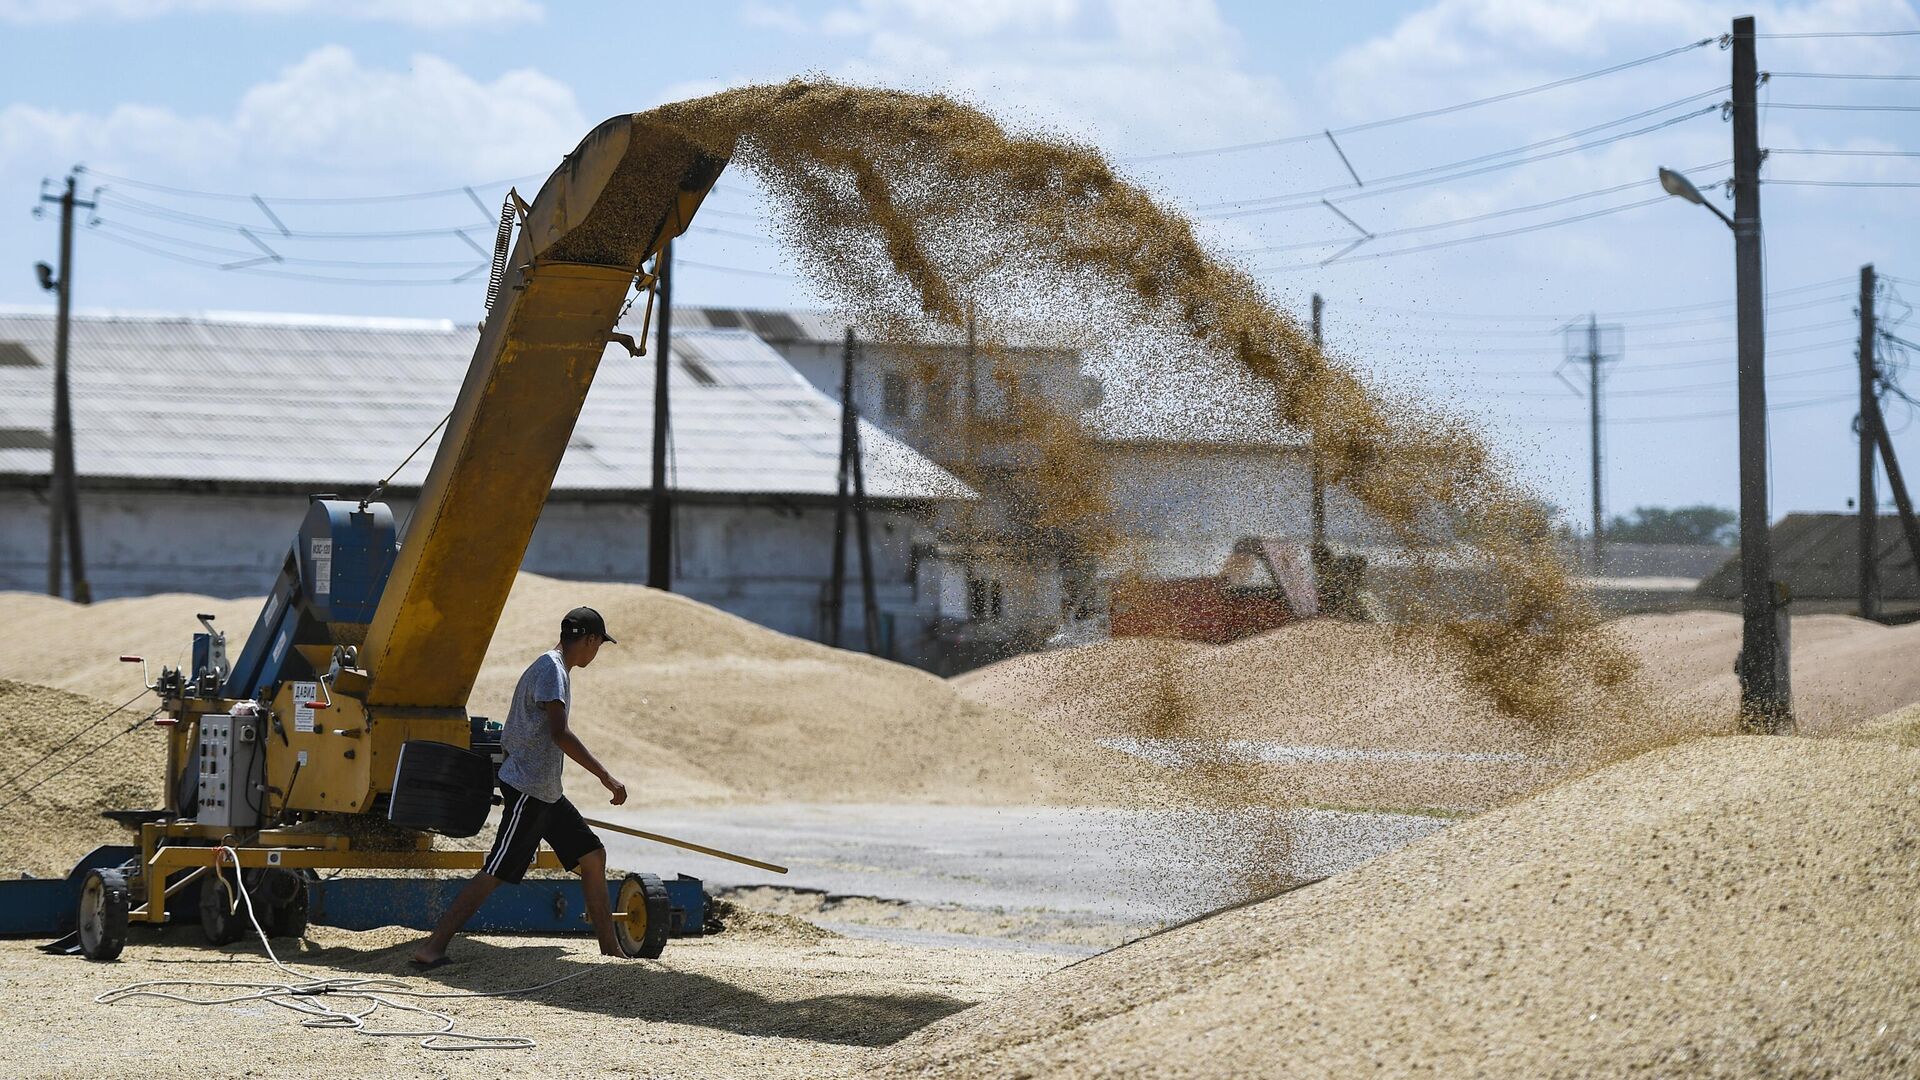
306, 994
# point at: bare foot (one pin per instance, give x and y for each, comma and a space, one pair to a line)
615, 951
425, 957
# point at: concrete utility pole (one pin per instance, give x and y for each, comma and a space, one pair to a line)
1318, 510
1869, 497
63, 510
852, 474
1766, 695
1593, 421
660, 504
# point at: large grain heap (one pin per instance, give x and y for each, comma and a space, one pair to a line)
693, 705
1735, 907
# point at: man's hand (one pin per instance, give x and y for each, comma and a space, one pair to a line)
616, 788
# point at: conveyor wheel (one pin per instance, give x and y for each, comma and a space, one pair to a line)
286, 895
223, 924
102, 922
642, 915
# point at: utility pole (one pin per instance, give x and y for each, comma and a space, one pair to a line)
1317, 511
660, 505
64, 490
1766, 696
852, 475
1593, 423
1869, 497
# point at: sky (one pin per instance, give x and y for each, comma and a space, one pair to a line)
180, 110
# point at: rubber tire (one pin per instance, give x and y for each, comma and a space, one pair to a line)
222, 926
102, 918
285, 892
651, 894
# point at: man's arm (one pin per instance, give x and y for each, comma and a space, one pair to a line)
570, 744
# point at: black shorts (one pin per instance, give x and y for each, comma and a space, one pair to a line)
524, 822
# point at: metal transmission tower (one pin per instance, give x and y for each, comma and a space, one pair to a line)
1594, 344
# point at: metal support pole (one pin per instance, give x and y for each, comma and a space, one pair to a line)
1766, 697
63, 505
837, 578
870, 605
1908, 524
1869, 497
1593, 422
1317, 511
660, 502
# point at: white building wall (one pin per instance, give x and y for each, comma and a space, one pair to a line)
769, 564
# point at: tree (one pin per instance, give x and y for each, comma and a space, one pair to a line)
1678, 525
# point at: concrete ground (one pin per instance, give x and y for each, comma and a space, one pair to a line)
1079, 878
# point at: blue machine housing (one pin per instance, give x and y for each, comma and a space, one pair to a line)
335, 574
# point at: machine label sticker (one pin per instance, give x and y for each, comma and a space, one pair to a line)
304, 695
322, 567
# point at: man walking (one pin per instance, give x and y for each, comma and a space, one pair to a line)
535, 809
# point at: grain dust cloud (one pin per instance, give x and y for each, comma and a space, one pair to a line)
924, 220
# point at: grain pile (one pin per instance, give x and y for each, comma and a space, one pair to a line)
693, 704
1739, 907
696, 704
45, 829
1352, 686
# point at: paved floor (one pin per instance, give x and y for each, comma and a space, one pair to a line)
1127, 866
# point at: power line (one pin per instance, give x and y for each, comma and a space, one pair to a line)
332, 200
1836, 34
1413, 229
259, 271
1685, 417
1628, 368
1832, 107
185, 217
1845, 183
1839, 75
109, 227
747, 271
1844, 153
1418, 248
1558, 320
1424, 114
1377, 189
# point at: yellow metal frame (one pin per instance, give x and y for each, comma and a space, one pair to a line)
285, 848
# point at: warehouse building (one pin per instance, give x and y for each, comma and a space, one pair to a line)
199, 439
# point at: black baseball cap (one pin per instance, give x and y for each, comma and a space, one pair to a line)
582, 621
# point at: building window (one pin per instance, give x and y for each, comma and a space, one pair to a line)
977, 599
939, 398
895, 396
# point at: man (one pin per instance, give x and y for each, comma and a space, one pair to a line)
535, 808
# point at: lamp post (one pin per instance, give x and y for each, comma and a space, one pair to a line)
1766, 698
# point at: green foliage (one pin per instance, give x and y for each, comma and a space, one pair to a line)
1677, 525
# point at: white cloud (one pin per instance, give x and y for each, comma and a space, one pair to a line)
1456, 49
1132, 75
327, 116
421, 13
328, 109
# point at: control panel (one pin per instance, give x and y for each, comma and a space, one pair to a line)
230, 776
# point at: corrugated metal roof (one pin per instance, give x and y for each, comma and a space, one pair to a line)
336, 403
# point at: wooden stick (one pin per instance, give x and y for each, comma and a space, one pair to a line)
671, 842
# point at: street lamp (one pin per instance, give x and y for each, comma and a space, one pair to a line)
1766, 696
1681, 187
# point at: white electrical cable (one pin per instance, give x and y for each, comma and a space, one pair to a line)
304, 993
